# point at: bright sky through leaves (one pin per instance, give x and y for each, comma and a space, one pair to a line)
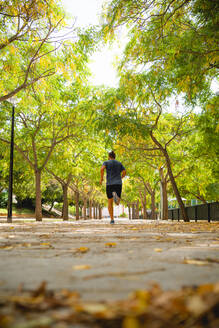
87, 12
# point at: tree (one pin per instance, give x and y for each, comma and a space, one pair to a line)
28, 36
176, 39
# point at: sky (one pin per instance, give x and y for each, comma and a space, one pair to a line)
87, 12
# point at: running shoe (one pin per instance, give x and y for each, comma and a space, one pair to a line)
116, 198
112, 222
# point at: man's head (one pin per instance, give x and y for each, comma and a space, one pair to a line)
112, 155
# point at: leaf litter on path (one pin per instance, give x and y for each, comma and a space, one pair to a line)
188, 307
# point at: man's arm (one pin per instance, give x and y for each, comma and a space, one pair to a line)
123, 174
102, 173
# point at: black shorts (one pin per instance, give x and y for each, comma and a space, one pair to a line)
116, 187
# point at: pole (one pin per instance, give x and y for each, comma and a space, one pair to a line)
10, 188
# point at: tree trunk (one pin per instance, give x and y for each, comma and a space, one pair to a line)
172, 179
38, 208
129, 209
137, 209
90, 209
65, 202
51, 207
175, 189
133, 211
100, 212
163, 196
153, 207
144, 205
77, 216
95, 211
164, 201
85, 208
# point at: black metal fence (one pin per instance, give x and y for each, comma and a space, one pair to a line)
209, 211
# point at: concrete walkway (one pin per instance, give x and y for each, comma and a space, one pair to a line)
105, 262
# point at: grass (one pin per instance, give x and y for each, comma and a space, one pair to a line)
17, 211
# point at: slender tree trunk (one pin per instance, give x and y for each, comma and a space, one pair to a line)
175, 189
137, 209
133, 211
172, 179
90, 208
95, 210
100, 212
129, 209
77, 215
164, 201
153, 207
85, 208
51, 205
65, 202
163, 196
144, 205
38, 208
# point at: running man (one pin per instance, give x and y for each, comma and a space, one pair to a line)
113, 181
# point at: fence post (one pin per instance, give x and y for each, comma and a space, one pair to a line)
178, 214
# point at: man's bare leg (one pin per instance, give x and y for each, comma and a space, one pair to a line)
110, 208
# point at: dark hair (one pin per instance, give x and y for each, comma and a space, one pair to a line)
112, 154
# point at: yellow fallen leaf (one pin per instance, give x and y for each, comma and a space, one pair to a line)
11, 227
6, 247
195, 262
92, 308
82, 249
110, 244
130, 322
81, 267
28, 245
158, 249
45, 244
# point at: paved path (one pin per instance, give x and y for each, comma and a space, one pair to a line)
102, 261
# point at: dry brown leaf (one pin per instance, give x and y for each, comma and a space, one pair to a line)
196, 305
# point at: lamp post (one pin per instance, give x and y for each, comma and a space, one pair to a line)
10, 187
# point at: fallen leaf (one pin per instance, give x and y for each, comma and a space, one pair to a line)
196, 305
195, 262
28, 245
130, 322
92, 308
82, 250
45, 244
110, 244
158, 250
6, 247
81, 267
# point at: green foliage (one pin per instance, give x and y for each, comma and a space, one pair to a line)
173, 40
3, 199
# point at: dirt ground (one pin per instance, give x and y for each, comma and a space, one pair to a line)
107, 262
